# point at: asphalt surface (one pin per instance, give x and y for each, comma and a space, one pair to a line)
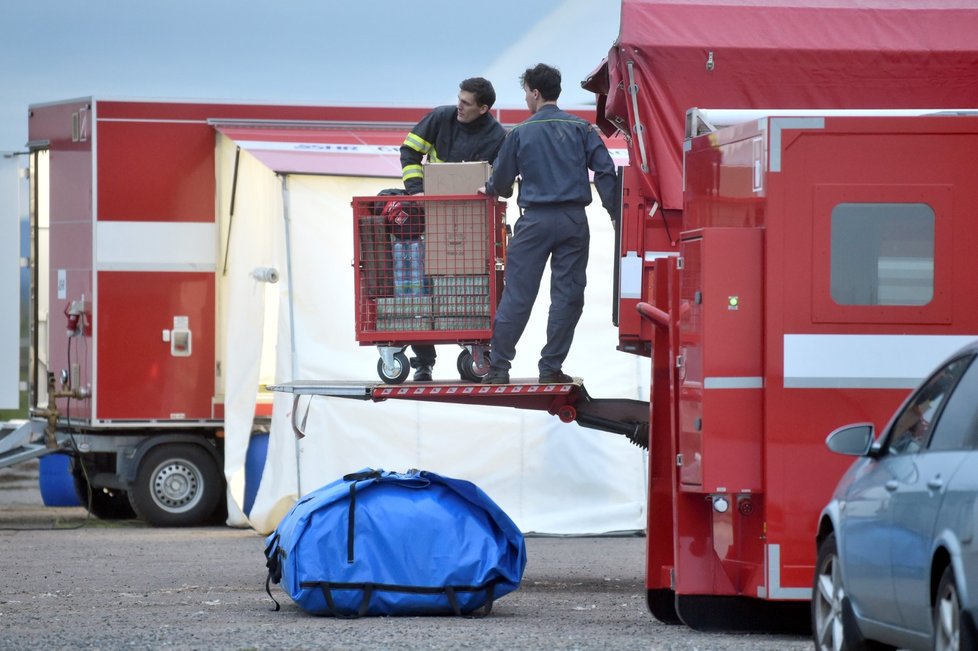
70, 581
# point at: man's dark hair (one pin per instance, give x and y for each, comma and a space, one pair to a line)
484, 93
543, 78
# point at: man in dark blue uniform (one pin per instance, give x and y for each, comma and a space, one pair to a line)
450, 134
552, 152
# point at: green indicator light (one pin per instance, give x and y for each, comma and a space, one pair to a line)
733, 301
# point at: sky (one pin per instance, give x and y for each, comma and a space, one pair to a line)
366, 52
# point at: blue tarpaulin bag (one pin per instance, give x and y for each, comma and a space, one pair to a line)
386, 543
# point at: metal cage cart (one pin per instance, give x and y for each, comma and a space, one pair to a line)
428, 270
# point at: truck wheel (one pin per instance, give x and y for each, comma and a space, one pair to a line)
103, 503
662, 605
176, 485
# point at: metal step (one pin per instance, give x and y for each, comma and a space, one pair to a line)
23, 440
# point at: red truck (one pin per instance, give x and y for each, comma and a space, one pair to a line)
795, 262
796, 271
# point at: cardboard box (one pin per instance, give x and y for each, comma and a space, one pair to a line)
455, 178
456, 238
455, 231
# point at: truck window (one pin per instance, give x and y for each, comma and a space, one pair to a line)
882, 254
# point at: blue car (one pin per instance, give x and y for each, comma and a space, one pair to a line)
897, 563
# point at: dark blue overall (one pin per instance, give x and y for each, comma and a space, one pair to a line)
552, 152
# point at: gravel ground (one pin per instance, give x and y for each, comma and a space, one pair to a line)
75, 582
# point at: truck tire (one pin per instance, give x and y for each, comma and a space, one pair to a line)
178, 484
103, 503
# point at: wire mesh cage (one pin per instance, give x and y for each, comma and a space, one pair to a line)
428, 271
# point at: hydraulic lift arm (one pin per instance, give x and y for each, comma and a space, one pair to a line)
570, 401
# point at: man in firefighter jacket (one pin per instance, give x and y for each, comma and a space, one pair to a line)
450, 134
552, 151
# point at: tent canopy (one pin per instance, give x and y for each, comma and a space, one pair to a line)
338, 149
777, 54
346, 150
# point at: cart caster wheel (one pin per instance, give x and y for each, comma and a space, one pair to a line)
468, 370
396, 373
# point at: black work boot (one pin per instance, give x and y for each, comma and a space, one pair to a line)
496, 376
555, 377
422, 371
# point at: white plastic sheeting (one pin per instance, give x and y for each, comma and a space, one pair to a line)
550, 477
13, 209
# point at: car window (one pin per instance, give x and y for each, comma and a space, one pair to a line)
912, 429
956, 427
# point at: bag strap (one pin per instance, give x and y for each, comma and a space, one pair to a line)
273, 555
355, 478
490, 596
268, 591
475, 614
327, 587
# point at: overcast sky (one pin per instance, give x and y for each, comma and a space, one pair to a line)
373, 52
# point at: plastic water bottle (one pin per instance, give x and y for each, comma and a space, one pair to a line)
408, 267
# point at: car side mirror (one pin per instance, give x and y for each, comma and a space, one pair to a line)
853, 440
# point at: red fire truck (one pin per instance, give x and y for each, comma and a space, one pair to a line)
799, 269
795, 272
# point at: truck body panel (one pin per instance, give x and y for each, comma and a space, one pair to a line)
817, 284
801, 267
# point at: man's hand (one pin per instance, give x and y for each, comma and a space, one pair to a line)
481, 190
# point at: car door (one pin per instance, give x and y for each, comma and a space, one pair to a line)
919, 482
868, 526
865, 550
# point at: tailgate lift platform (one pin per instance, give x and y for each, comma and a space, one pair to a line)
569, 401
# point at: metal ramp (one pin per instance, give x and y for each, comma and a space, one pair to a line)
23, 440
568, 401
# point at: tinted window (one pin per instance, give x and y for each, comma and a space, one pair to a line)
955, 429
882, 254
913, 427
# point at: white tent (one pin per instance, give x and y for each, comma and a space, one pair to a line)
550, 477
12, 217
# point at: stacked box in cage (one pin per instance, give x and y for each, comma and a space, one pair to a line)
404, 313
460, 302
467, 285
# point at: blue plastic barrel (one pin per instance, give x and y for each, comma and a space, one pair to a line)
254, 466
57, 484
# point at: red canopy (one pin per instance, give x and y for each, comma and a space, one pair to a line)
768, 54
